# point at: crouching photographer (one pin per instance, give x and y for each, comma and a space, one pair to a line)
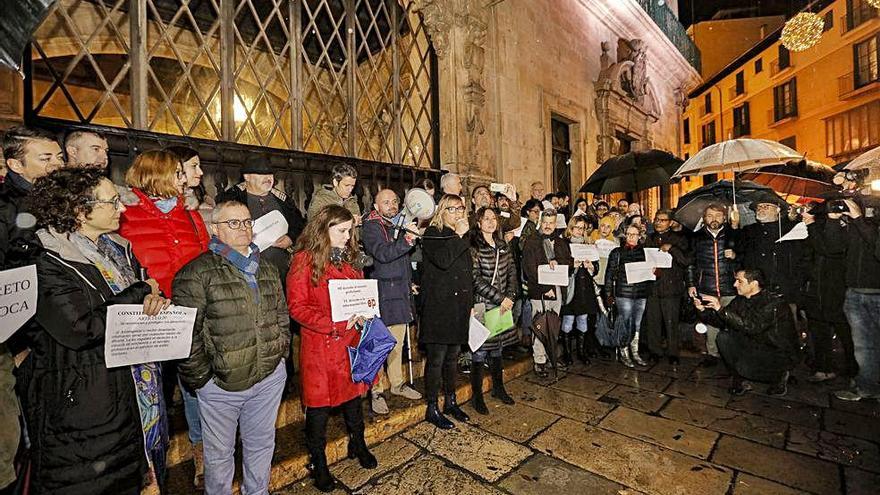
851, 230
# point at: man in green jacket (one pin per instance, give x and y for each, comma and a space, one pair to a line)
338, 192
240, 339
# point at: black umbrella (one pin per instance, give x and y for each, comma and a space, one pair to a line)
691, 206
632, 172
546, 326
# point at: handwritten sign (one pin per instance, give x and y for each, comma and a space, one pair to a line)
357, 297
134, 338
18, 299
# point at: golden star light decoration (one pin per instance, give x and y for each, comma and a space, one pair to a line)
874, 3
803, 31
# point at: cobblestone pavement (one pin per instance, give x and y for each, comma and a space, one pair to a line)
602, 428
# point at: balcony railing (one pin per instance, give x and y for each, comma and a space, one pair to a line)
850, 84
775, 68
672, 28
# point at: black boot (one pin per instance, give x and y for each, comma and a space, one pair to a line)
321, 473
357, 447
477, 390
353, 415
498, 382
580, 340
450, 407
316, 442
566, 360
436, 418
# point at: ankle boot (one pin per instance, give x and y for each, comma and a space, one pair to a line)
477, 390
565, 360
623, 356
436, 418
498, 390
634, 351
357, 447
450, 407
321, 473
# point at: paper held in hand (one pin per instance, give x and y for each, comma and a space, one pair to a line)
477, 334
798, 232
522, 224
584, 252
268, 228
553, 276
18, 299
605, 247
134, 338
640, 271
353, 297
660, 259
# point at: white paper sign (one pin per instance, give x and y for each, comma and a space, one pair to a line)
581, 252
660, 259
477, 334
18, 299
522, 224
640, 271
556, 276
560, 221
796, 233
268, 228
355, 297
605, 247
133, 337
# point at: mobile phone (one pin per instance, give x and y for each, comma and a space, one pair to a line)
497, 187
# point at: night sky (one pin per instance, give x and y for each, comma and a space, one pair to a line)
705, 9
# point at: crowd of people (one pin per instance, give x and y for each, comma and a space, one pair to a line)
733, 293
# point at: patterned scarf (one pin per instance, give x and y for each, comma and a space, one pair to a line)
247, 265
110, 259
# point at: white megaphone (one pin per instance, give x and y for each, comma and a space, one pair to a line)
417, 205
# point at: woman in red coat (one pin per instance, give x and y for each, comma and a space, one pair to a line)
164, 235
325, 251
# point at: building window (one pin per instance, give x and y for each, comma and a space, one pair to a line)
339, 77
560, 139
687, 131
741, 121
785, 100
708, 134
707, 103
829, 21
784, 57
740, 82
849, 133
759, 66
866, 61
790, 141
858, 12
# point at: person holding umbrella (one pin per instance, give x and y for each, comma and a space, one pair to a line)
326, 251
630, 297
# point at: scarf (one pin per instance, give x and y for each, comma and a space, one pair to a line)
247, 265
547, 244
110, 260
165, 205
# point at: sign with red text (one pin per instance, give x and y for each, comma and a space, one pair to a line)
18, 299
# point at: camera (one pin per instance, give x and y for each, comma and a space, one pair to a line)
837, 206
857, 176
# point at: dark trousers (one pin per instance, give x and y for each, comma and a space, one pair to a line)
662, 313
747, 359
822, 335
441, 364
316, 424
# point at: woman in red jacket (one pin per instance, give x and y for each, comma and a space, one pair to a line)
164, 235
325, 251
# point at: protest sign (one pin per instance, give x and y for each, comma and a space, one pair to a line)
18, 299
353, 297
477, 334
134, 338
660, 259
268, 229
641, 271
553, 276
584, 252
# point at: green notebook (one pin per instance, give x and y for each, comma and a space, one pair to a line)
497, 322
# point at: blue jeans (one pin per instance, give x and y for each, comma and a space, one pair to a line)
631, 310
254, 412
526, 322
863, 313
568, 322
480, 355
191, 412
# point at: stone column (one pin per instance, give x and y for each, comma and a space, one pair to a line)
457, 29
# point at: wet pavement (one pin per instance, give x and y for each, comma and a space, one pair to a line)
602, 428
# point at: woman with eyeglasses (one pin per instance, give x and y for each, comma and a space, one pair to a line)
165, 235
93, 429
581, 302
447, 285
630, 298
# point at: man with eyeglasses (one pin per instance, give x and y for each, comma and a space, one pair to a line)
240, 339
664, 302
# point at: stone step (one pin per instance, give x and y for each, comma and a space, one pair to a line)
290, 458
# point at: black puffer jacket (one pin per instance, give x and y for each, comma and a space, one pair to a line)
83, 418
18, 246
615, 274
237, 340
506, 281
671, 282
712, 273
765, 318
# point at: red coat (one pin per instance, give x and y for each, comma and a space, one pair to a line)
163, 242
324, 365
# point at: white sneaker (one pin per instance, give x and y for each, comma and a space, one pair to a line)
821, 376
378, 404
406, 391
